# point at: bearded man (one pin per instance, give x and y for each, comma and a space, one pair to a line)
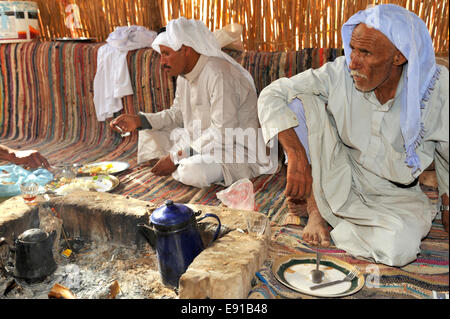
374, 120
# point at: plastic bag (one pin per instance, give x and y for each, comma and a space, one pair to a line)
238, 195
11, 176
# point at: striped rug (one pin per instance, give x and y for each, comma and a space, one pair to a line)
46, 103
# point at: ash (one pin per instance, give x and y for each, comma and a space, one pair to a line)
90, 272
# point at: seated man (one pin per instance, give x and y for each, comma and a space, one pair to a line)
215, 105
27, 158
374, 120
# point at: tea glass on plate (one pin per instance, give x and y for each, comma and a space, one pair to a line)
29, 191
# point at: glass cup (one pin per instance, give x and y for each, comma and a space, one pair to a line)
68, 172
29, 191
256, 224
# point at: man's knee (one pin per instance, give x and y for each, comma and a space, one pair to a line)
399, 249
198, 174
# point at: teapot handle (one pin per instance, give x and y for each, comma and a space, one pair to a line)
218, 228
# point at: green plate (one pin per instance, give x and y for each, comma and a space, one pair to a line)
293, 272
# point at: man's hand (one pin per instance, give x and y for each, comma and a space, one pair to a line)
126, 123
164, 167
30, 158
298, 177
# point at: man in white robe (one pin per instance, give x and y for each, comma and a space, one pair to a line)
211, 132
375, 119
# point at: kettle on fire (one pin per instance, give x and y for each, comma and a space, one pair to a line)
32, 255
174, 234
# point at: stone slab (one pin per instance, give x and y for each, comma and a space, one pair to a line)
223, 270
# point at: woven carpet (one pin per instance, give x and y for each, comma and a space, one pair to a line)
428, 273
46, 103
140, 183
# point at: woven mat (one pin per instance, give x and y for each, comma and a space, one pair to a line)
138, 182
428, 273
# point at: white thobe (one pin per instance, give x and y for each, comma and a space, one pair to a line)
216, 106
357, 154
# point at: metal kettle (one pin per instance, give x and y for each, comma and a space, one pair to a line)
173, 233
32, 255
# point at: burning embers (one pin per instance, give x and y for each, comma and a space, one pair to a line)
51, 262
94, 271
101, 254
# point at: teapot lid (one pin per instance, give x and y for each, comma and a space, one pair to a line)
33, 235
171, 216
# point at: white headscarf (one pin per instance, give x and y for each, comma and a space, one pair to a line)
411, 37
195, 34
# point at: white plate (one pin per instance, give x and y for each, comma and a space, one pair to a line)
116, 167
102, 183
293, 272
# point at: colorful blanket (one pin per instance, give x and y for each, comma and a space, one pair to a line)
46, 103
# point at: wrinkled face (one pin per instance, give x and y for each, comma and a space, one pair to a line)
173, 62
372, 58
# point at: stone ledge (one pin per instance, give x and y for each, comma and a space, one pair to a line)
223, 270
102, 216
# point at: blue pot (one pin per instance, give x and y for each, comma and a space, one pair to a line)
174, 235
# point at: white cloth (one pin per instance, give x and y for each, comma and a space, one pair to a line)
198, 171
210, 99
357, 154
131, 38
112, 79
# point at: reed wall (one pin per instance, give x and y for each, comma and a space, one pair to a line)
269, 25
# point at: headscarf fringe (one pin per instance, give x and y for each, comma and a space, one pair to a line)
412, 160
430, 87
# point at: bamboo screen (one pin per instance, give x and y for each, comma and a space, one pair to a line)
277, 25
94, 18
270, 25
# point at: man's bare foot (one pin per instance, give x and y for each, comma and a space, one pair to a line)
316, 230
150, 163
297, 209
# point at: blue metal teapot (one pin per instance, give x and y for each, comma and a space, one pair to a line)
174, 235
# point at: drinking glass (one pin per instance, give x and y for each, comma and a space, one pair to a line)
256, 224
68, 172
29, 191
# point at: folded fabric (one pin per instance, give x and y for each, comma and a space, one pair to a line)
112, 79
11, 176
131, 38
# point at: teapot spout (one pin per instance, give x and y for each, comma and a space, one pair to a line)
148, 233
